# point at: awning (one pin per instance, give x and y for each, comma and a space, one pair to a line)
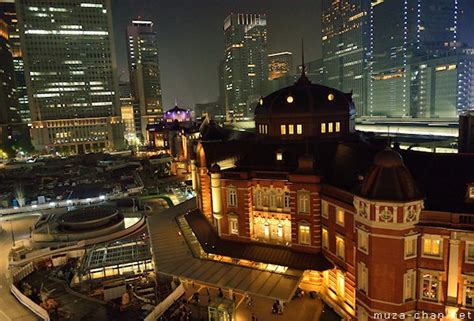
173, 256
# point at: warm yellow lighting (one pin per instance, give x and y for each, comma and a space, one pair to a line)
261, 101
330, 97
279, 156
289, 99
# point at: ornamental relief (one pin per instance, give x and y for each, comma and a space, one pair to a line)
385, 213
412, 213
362, 209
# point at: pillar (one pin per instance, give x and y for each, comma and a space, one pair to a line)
194, 174
453, 270
216, 195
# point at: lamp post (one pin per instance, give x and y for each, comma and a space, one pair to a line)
13, 233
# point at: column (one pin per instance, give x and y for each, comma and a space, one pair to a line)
453, 270
193, 174
216, 195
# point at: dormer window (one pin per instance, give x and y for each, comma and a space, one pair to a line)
470, 191
279, 156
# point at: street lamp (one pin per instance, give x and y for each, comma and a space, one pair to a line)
13, 233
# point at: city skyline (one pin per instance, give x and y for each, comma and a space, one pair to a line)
285, 30
196, 72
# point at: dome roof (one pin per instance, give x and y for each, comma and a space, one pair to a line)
389, 179
388, 158
305, 97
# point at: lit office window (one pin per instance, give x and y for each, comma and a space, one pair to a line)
330, 129
323, 128
283, 129
291, 129
338, 127
299, 129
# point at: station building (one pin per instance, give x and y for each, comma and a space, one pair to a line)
309, 202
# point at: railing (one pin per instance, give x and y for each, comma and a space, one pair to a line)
165, 304
21, 273
27, 302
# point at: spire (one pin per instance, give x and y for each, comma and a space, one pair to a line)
303, 80
176, 101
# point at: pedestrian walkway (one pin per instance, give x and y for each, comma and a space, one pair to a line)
10, 308
304, 309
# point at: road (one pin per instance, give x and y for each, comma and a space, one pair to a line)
10, 308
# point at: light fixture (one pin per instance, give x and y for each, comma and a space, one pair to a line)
289, 99
330, 97
261, 101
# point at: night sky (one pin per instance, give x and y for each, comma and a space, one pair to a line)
191, 38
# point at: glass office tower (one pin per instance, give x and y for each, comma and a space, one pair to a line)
8, 15
70, 64
401, 31
344, 40
144, 69
246, 67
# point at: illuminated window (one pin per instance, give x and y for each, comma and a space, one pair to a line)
362, 277
363, 241
299, 129
409, 283
283, 129
338, 127
432, 246
303, 202
471, 191
287, 200
280, 231
323, 128
469, 293
430, 286
469, 252
234, 225
291, 129
324, 209
410, 247
330, 127
304, 234
340, 284
325, 237
279, 156
340, 248
258, 198
232, 197
340, 216
266, 230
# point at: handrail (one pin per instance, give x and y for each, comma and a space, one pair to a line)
165, 304
27, 302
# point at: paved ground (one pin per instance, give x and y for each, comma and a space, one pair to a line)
10, 308
301, 309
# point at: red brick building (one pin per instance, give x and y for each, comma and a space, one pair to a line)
396, 226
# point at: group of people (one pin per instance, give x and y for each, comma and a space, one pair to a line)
277, 307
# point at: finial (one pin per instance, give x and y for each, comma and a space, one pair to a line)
176, 101
303, 67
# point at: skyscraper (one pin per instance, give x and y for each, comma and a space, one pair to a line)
400, 31
343, 48
143, 62
8, 15
280, 64
8, 97
69, 59
246, 68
